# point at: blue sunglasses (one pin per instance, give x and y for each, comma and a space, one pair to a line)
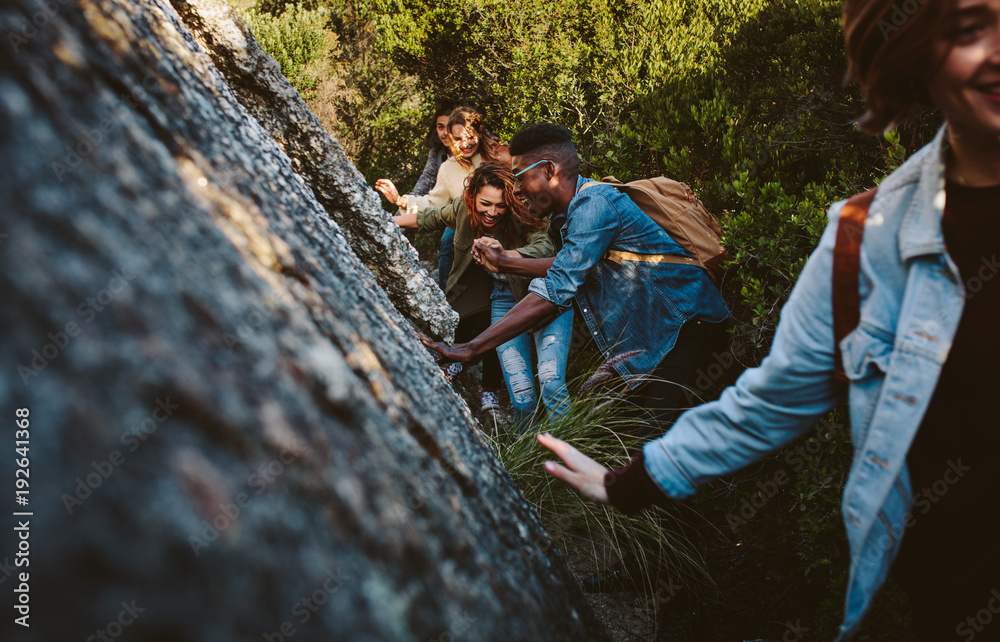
530, 167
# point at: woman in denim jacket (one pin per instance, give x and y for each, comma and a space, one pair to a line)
923, 362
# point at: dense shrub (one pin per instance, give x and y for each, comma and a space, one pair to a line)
297, 39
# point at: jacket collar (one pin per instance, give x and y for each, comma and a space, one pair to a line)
920, 232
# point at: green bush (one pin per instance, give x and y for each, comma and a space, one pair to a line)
297, 39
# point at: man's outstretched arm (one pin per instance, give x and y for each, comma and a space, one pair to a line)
522, 317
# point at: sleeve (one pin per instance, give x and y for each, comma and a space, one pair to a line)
429, 176
592, 224
768, 406
443, 193
436, 218
539, 246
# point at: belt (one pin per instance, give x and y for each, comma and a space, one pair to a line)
618, 256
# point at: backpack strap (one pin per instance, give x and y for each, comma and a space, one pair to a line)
846, 271
617, 256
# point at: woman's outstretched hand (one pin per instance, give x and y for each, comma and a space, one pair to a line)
585, 475
385, 186
457, 352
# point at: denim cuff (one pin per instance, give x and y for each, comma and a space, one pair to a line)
540, 287
663, 470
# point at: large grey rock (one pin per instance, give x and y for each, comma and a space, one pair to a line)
233, 433
256, 80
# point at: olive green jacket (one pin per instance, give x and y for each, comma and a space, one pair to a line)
469, 286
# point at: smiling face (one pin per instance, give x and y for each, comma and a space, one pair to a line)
967, 86
466, 140
490, 206
441, 127
534, 184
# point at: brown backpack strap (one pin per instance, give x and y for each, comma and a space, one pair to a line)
846, 270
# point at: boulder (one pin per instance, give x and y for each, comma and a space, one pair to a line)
231, 430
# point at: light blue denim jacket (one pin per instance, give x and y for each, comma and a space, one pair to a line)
912, 299
629, 306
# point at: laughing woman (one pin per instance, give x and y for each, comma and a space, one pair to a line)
470, 146
488, 208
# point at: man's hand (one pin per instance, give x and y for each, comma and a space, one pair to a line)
487, 252
457, 352
585, 475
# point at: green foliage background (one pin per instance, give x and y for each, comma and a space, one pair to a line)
742, 99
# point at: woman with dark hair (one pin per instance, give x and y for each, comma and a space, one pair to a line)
488, 208
437, 139
465, 136
440, 149
896, 313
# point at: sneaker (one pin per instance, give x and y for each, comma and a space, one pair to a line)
489, 401
452, 370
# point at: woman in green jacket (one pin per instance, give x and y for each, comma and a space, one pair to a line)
488, 208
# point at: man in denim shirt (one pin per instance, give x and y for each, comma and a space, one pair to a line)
658, 317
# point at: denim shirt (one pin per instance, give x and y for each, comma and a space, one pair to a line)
632, 306
912, 298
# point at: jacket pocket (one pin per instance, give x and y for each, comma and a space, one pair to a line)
463, 242
865, 354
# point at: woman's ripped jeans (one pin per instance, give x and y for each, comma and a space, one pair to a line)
551, 347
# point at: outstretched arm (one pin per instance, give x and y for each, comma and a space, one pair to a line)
408, 221
522, 317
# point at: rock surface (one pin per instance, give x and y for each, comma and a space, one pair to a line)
256, 80
233, 433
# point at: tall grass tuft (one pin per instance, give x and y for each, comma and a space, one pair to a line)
651, 543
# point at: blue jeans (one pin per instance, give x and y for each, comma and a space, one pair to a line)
446, 256
551, 345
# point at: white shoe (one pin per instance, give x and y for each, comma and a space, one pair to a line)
489, 401
452, 370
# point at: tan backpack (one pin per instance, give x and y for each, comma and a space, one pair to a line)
675, 208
